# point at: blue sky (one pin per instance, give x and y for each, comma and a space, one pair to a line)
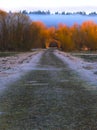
52, 5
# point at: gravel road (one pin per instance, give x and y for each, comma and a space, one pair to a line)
49, 97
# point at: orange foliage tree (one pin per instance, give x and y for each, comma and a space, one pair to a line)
49, 35
64, 35
89, 31
37, 34
76, 36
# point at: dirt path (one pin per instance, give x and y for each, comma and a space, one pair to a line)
50, 97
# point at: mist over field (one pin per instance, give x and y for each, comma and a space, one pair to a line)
69, 20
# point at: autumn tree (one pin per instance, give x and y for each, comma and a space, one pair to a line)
76, 36
38, 34
64, 35
20, 25
14, 26
89, 31
50, 35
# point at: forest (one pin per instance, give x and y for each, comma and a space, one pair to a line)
19, 33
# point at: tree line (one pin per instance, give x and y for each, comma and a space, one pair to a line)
40, 12
19, 33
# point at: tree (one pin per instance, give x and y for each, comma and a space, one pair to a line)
89, 31
37, 34
77, 36
65, 37
3, 29
13, 27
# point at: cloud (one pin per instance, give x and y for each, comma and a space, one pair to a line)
45, 4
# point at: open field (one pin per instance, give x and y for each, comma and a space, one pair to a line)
87, 56
5, 54
86, 69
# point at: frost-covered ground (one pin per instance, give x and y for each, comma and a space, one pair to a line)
13, 67
50, 97
87, 70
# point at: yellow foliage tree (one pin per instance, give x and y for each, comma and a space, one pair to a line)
64, 35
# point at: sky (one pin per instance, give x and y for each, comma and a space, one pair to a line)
52, 5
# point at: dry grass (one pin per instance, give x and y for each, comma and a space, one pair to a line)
87, 56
